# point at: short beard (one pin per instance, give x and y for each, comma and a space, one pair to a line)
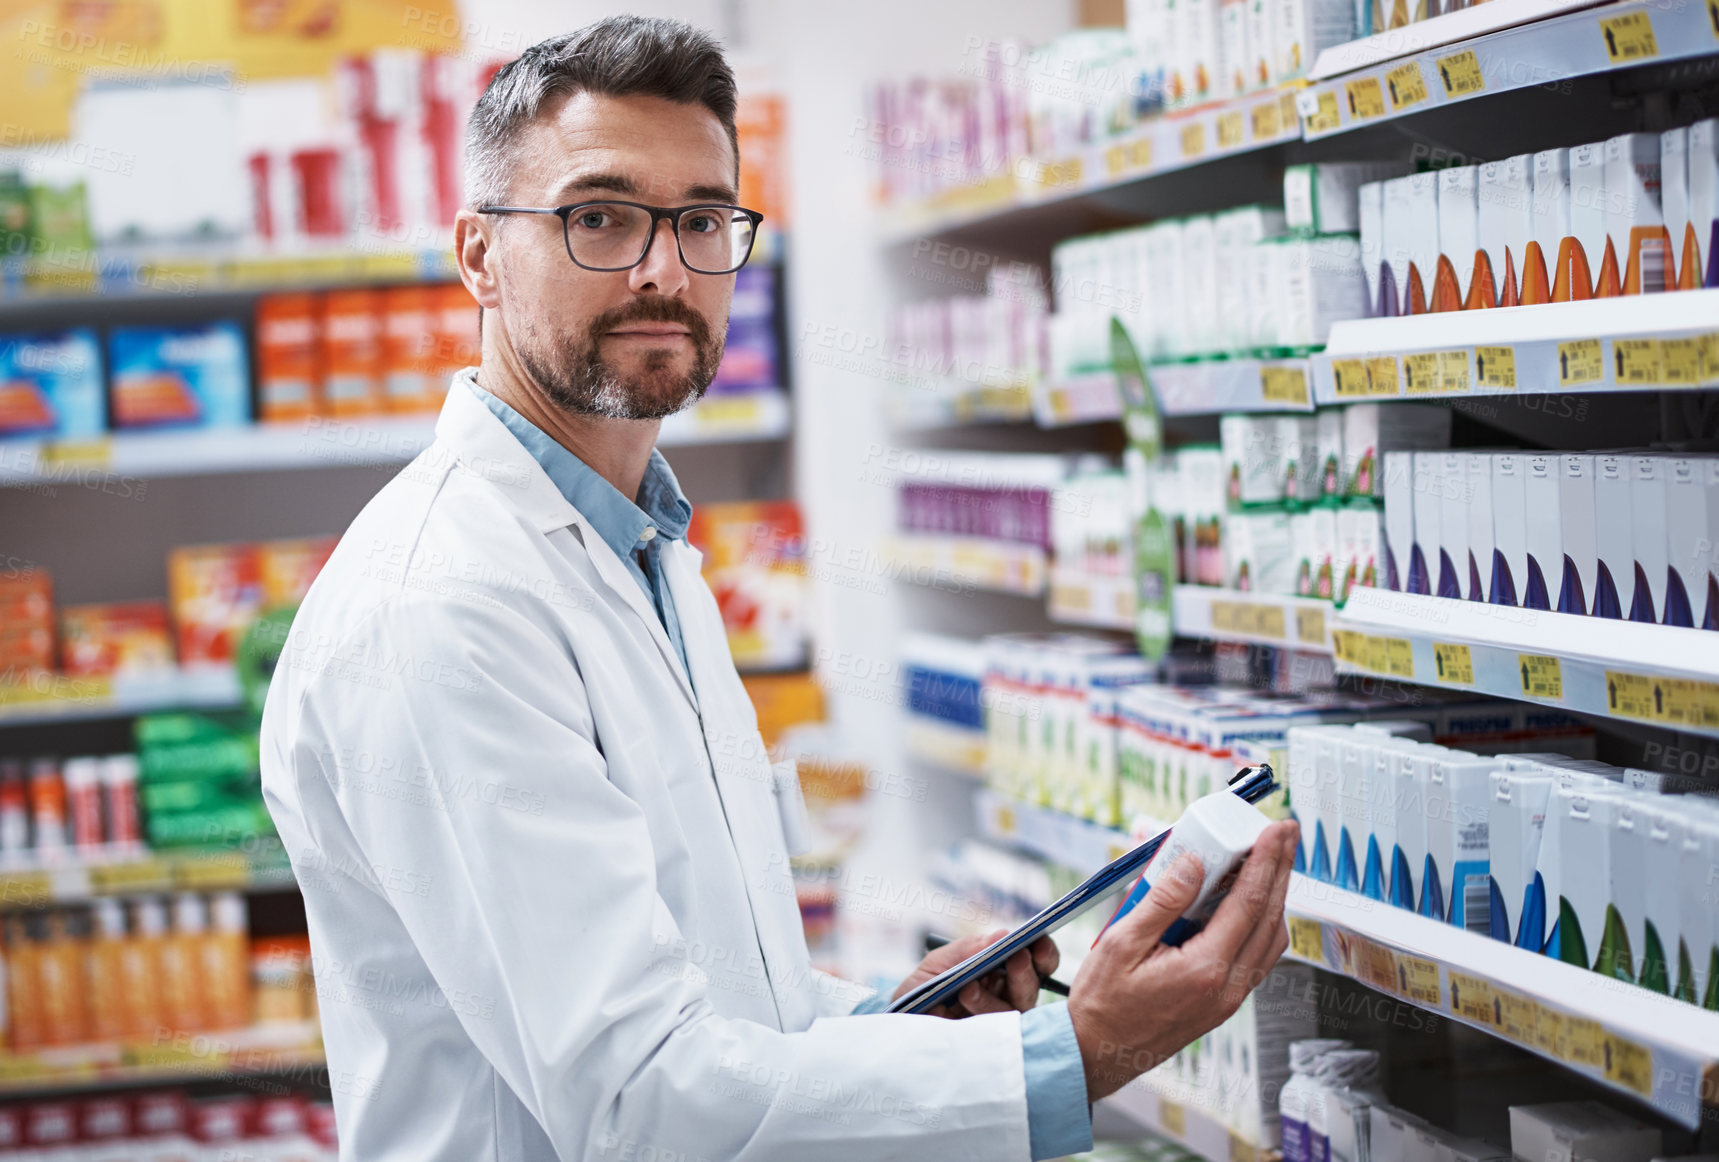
575, 377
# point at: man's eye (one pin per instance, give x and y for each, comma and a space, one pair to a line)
701, 223
592, 219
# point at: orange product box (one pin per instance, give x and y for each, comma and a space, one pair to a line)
458, 344
126, 637
352, 353
408, 340
289, 356
286, 568
753, 563
27, 595
25, 649
215, 592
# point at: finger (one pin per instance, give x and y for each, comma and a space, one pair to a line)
976, 999
1136, 934
1046, 955
1244, 909
1265, 945
1023, 981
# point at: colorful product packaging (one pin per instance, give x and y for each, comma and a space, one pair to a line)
215, 592
352, 353
289, 357
183, 376
51, 385
408, 342
117, 638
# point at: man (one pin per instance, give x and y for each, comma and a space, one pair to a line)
542, 850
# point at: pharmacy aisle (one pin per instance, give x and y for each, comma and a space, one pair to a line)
1329, 386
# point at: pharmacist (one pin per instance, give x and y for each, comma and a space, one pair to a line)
542, 849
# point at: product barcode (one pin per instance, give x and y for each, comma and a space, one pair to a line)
1653, 266
1477, 904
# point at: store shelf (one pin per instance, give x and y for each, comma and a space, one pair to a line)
108, 274
946, 746
1076, 844
1182, 1122
223, 1055
1652, 1048
919, 406
1434, 32
49, 697
1160, 145
1195, 388
118, 462
192, 870
1658, 674
1090, 397
963, 563
1231, 615
1090, 599
1663, 342
1542, 53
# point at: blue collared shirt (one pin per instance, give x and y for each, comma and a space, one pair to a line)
1059, 1121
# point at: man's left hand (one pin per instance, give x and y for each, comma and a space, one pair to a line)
1014, 986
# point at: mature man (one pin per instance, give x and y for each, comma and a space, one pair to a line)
542, 850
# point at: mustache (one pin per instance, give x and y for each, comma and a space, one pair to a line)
655, 309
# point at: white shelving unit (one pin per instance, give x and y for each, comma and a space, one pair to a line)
959, 564
1195, 388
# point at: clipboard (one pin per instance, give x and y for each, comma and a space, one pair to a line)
1251, 783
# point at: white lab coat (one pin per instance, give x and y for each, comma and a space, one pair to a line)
548, 892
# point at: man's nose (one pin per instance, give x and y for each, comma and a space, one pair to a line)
662, 271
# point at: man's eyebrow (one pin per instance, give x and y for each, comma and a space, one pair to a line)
616, 183
723, 194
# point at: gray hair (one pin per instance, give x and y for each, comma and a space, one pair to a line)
622, 56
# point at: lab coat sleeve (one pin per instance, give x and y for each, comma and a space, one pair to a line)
546, 904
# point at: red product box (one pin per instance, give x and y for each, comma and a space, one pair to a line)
215, 592
128, 637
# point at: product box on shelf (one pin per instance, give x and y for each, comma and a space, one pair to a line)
130, 637
352, 353
51, 385
289, 357
215, 592
181, 376
754, 562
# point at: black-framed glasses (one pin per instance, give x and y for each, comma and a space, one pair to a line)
610, 236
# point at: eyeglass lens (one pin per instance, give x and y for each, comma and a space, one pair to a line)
713, 240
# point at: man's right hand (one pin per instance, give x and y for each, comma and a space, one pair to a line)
1136, 1001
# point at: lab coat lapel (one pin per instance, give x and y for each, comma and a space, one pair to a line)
614, 574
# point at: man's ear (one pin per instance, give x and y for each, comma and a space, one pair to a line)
472, 250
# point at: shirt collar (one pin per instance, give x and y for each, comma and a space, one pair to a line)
622, 523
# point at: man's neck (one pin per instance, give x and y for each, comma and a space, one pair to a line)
617, 450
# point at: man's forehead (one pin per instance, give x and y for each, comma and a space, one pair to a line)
635, 146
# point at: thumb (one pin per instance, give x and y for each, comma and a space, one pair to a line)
1136, 934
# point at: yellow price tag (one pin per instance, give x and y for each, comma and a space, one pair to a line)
1325, 118
1417, 980
1062, 174
1495, 367
1382, 375
1628, 1064
1460, 74
1350, 376
1115, 160
1420, 373
79, 453
1193, 139
1541, 676
1549, 1030
1584, 1042
1230, 129
1454, 663
1453, 372
1399, 657
1267, 123
214, 871
1346, 644
1407, 87
1630, 695
1709, 346
1007, 824
1172, 1118
1242, 1150
1287, 117
1366, 99
1636, 360
1474, 999
137, 876
1283, 385
1517, 1017
1242, 617
1680, 359
1682, 702
1375, 965
725, 414
1629, 37
1713, 17
1580, 361
1310, 626
25, 889
1307, 939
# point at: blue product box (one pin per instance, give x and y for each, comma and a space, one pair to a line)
51, 385
184, 376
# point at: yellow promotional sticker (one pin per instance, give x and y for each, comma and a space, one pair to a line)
1460, 74
1495, 368
1455, 663
1366, 99
1406, 86
1580, 361
1542, 677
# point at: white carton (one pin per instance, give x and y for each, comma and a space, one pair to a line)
1687, 552
1360, 536
1454, 505
1635, 224
1478, 468
1326, 197
1697, 918
1516, 823
1704, 197
1614, 579
1588, 209
1459, 225
1354, 797
1509, 528
1674, 204
1399, 518
1261, 44
1202, 49
1234, 49
1424, 560
1580, 1130
1630, 825
1506, 225
1322, 283
1457, 810
1545, 531
1412, 863
1581, 548
1648, 537
1370, 429
1370, 221
1306, 28
1662, 825
1398, 205
1200, 275
1584, 821
1423, 242
1253, 468
1259, 554
1298, 439
1551, 210
1331, 462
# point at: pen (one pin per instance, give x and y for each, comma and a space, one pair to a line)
1046, 982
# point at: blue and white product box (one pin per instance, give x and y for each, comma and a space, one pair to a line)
1687, 547
1580, 539
1614, 580
1516, 824
1399, 518
1457, 843
51, 385
1509, 528
187, 376
1478, 494
1647, 537
1424, 562
1545, 531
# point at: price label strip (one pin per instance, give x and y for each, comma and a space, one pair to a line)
1193, 139
1454, 662
1406, 86
1350, 377
1267, 123
1460, 74
1307, 939
1580, 361
1286, 385
1310, 626
1230, 134
1636, 361
1366, 99
1495, 368
1325, 116
1542, 677
1474, 999
1382, 375
1629, 37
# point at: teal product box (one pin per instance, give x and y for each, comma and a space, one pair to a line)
181, 377
51, 385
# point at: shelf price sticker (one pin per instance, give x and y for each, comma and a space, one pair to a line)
1680, 359
1128, 155
1454, 663
741, 411
1399, 657
1007, 823
1115, 161
1061, 174
1366, 99
1244, 617
1406, 85
1193, 139
1382, 375
1375, 965
1627, 1064
1310, 626
1417, 980
1350, 378
1708, 345
1307, 939
1629, 695
1420, 373
1629, 37
1453, 372
1474, 999
1242, 1150
1518, 1017
132, 876
97, 453
1495, 367
1288, 119
1583, 1042
1636, 361
1671, 701
1542, 677
26, 889
1267, 122
1283, 385
1172, 1118
1230, 129
1580, 361
1549, 1030
1323, 115
1460, 74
